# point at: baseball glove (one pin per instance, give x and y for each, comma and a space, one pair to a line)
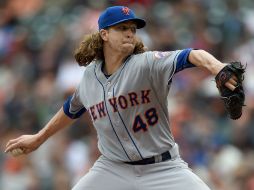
233, 100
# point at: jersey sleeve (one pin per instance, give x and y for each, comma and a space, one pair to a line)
73, 106
183, 61
163, 65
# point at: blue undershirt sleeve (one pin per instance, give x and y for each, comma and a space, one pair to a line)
182, 60
67, 110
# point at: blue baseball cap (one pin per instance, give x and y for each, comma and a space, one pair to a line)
117, 14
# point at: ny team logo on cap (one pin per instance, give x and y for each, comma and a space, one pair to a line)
126, 10
118, 14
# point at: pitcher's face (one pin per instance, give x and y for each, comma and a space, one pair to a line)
121, 37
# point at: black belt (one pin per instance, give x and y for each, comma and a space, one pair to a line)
155, 159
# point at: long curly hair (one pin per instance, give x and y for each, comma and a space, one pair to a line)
91, 48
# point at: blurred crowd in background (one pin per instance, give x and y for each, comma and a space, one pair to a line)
38, 71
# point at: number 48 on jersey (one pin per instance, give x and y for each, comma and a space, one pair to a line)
150, 118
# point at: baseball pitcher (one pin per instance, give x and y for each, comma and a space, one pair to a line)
124, 89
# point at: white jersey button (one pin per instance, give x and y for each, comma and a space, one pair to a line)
134, 156
109, 93
125, 138
108, 83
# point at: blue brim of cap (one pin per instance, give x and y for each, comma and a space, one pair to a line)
140, 22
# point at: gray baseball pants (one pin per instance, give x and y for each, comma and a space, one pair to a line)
173, 174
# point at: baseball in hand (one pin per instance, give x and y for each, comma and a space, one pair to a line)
17, 152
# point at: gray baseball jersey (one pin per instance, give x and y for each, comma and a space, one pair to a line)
129, 108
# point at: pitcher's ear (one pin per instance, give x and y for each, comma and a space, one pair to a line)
104, 34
